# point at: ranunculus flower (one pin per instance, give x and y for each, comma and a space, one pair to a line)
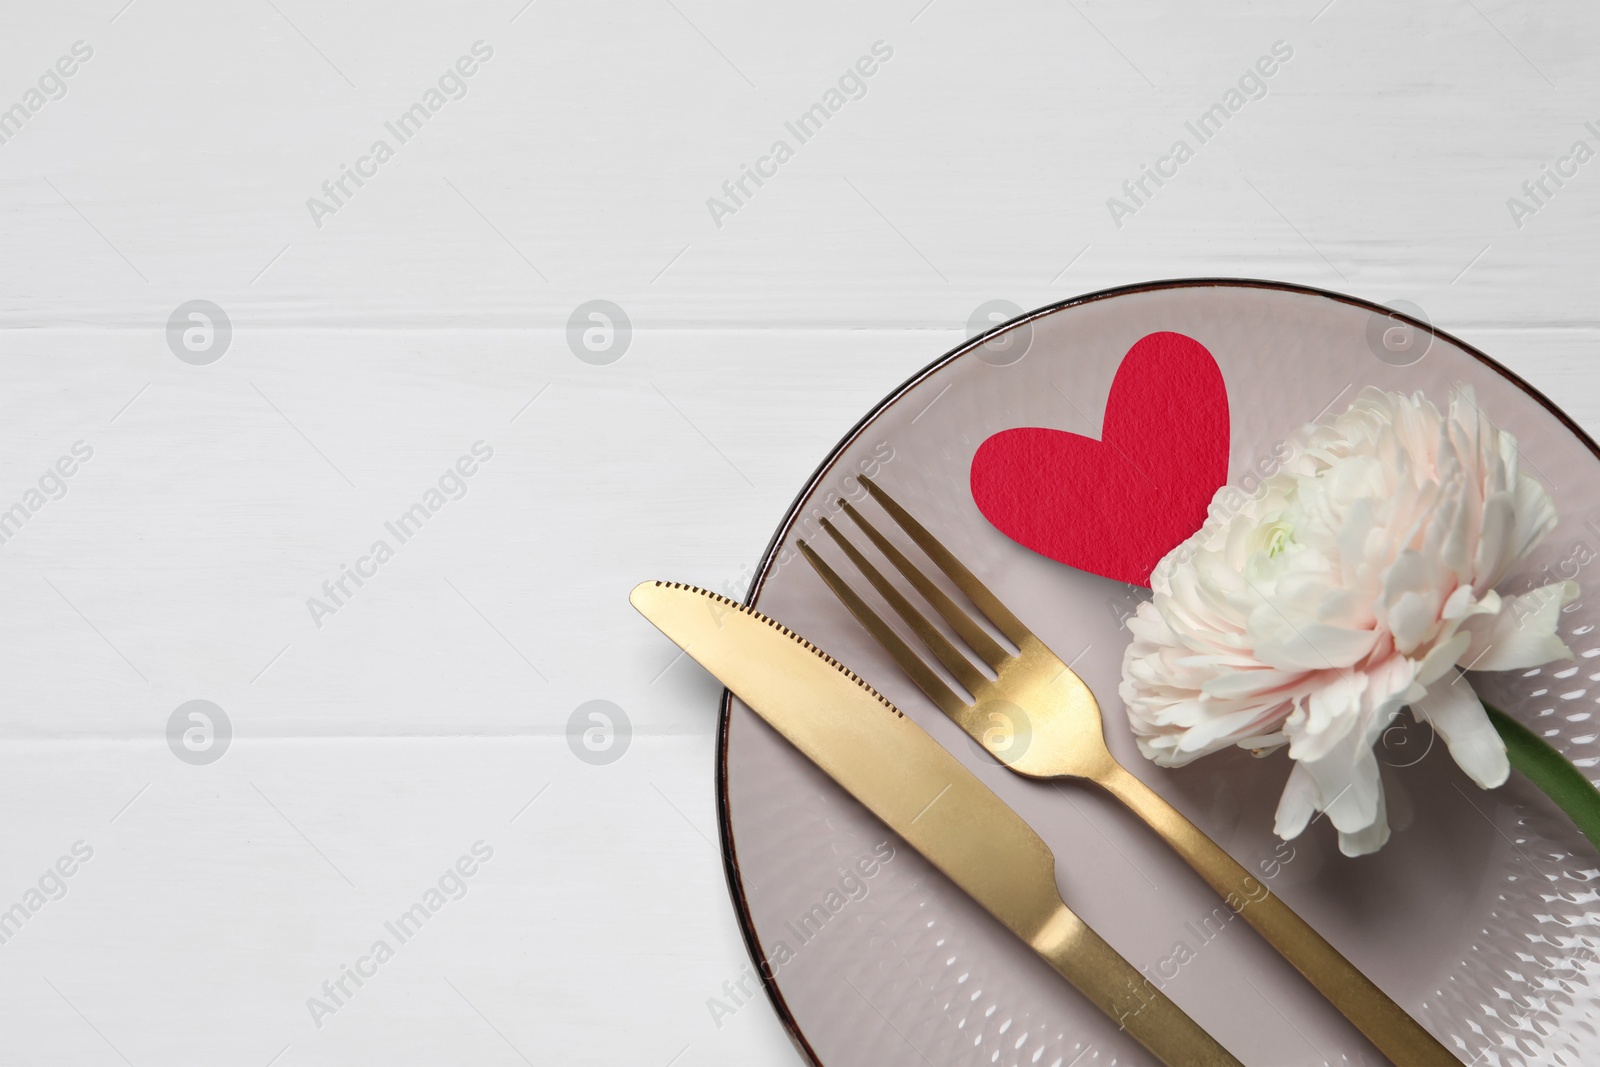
1358, 579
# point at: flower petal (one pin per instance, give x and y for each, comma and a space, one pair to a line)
1329, 716
1306, 645
1455, 711
1298, 803
1442, 657
1523, 634
1371, 838
1344, 783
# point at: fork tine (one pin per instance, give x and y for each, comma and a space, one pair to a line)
929, 682
952, 658
973, 634
964, 579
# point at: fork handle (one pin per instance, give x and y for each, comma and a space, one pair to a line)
1385, 1023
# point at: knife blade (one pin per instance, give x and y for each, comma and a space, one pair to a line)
906, 778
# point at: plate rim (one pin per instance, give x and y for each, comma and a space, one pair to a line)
730, 860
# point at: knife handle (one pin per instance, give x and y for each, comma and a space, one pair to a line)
1127, 997
1396, 1034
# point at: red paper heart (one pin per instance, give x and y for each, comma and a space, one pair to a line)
1115, 506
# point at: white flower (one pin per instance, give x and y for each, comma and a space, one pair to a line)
1358, 579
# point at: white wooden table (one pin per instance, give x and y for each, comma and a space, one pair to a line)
372, 735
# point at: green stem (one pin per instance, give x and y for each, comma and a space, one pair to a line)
1551, 772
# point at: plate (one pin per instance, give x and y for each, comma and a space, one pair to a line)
1479, 915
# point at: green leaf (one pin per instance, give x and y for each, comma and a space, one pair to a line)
1551, 772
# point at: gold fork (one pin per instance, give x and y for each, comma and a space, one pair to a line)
1065, 739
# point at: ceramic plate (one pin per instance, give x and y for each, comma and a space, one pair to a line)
1479, 916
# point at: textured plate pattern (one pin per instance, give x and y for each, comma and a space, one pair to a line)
1529, 977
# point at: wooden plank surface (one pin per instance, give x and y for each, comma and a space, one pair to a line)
376, 338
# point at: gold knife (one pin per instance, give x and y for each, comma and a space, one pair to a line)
907, 779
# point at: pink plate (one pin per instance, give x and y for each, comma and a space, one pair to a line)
1479, 916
